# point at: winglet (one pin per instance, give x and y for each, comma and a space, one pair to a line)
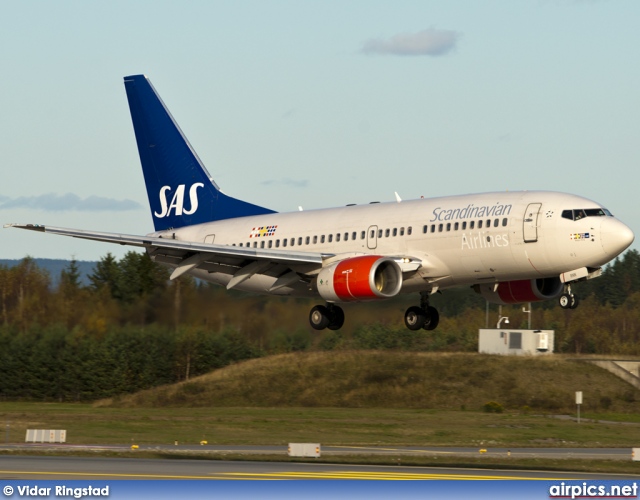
31, 227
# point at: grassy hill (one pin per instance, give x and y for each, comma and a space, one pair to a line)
372, 379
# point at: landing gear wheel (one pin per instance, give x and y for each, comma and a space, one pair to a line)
319, 318
415, 318
565, 301
336, 315
432, 318
574, 302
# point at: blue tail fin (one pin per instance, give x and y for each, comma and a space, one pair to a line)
181, 191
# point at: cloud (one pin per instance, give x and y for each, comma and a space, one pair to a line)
430, 42
68, 202
301, 183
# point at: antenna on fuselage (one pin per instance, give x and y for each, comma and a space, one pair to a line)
398, 199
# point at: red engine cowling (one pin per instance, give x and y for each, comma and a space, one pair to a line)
520, 291
367, 277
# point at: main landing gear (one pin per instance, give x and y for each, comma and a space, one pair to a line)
330, 316
423, 316
568, 300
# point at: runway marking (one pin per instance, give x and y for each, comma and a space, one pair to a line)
248, 476
394, 476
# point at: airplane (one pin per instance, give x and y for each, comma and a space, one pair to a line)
511, 247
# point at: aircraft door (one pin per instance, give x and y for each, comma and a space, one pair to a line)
530, 222
372, 237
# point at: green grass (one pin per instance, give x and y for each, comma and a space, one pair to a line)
365, 398
329, 426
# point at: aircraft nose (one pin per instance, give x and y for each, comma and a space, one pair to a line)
616, 236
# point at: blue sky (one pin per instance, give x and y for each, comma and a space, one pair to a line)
315, 104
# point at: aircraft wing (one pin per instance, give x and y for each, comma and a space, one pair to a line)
241, 262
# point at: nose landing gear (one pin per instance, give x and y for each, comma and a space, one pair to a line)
568, 300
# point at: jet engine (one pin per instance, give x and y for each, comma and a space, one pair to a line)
366, 277
520, 291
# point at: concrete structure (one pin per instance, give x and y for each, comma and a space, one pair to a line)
46, 436
521, 342
627, 370
304, 450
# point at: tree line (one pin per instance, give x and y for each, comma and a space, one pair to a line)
131, 328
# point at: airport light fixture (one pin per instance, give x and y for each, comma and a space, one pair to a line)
506, 321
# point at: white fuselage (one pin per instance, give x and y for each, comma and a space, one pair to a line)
460, 240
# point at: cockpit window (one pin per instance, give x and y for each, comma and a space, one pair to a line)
581, 213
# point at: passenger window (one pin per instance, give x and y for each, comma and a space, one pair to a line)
496, 222
395, 231
488, 223
464, 225
330, 238
456, 226
284, 242
472, 224
307, 240
479, 224
262, 244
380, 233
322, 239
448, 226
402, 231
504, 222
346, 236
255, 244
315, 239
293, 241
278, 243
300, 241
386, 233
409, 231
424, 229
239, 244
440, 226
433, 228
354, 234
338, 237
270, 243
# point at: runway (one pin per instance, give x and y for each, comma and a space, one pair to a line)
14, 467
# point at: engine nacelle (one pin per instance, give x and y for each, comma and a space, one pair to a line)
366, 277
520, 291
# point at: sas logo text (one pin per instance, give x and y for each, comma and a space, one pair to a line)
177, 200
